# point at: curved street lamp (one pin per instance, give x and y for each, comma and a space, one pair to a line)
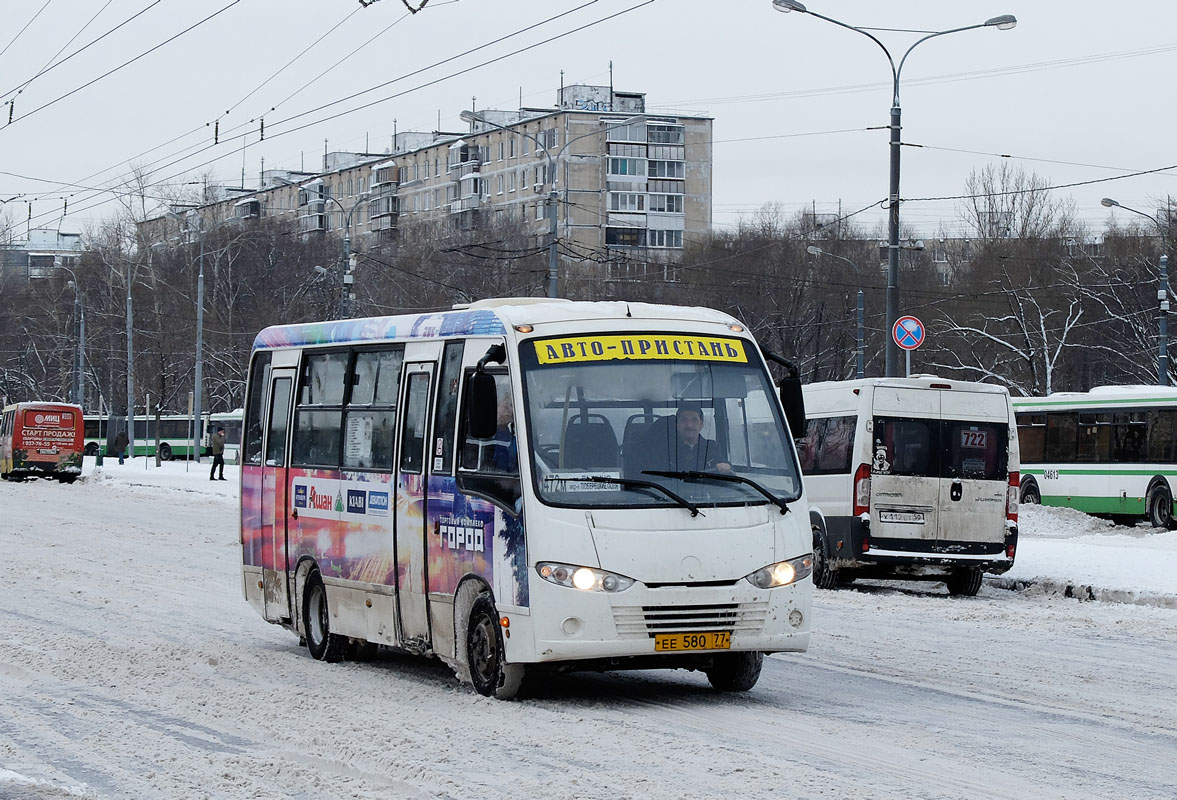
79, 388
1001, 23
1162, 293
348, 269
859, 355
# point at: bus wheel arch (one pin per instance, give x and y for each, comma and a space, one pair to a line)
1031, 494
485, 652
1159, 503
825, 576
321, 642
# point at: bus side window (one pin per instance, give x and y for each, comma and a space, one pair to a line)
490, 467
446, 414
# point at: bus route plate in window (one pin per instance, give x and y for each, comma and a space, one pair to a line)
908, 517
689, 642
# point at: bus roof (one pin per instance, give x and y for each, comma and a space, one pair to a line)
1121, 396
483, 318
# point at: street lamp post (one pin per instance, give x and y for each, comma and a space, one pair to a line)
347, 297
553, 194
1162, 294
859, 349
1003, 23
79, 388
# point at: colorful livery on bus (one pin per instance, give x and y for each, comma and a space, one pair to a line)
41, 440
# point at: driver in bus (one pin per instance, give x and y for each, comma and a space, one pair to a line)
686, 449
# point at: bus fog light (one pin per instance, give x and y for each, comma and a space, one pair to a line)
571, 626
781, 573
796, 618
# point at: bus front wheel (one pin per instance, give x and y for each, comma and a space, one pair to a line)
165, 452
1160, 506
735, 672
824, 575
321, 642
489, 672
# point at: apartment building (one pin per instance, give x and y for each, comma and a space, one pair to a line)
624, 180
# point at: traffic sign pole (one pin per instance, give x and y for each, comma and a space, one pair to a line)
909, 333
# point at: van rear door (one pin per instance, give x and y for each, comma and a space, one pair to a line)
974, 466
905, 467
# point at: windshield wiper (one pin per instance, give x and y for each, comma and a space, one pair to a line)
631, 482
722, 476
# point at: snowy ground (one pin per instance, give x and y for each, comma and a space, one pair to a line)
133, 668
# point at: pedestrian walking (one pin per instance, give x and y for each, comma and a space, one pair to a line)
217, 446
120, 444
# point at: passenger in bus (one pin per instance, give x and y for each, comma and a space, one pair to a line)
120, 445
504, 452
217, 448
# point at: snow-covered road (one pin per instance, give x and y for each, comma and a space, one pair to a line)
133, 668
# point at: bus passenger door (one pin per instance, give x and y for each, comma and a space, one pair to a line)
274, 503
412, 491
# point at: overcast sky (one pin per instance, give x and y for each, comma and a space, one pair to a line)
1078, 92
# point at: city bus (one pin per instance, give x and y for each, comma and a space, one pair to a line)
175, 434
41, 440
498, 486
1110, 451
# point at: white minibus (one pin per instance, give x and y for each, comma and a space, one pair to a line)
521, 485
910, 478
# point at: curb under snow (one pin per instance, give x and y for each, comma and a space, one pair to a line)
1082, 591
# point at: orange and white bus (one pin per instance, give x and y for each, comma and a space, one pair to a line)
41, 440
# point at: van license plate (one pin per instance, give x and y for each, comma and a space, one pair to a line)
687, 642
908, 517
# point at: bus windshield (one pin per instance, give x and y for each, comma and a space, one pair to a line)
607, 422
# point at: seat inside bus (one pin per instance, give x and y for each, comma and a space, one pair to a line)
589, 443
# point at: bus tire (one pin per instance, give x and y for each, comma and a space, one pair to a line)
486, 654
964, 582
321, 642
91, 449
824, 575
165, 452
1160, 505
1031, 496
735, 672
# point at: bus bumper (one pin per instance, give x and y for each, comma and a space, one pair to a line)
577, 626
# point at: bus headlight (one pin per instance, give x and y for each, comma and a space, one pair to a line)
781, 573
586, 579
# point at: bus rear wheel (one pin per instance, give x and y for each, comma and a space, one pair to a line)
165, 452
824, 575
965, 582
486, 655
1030, 494
735, 672
1160, 507
321, 642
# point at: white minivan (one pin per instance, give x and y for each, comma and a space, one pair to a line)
910, 478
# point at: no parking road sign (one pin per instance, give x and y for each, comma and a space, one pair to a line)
909, 332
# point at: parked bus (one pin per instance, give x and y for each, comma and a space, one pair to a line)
41, 440
1111, 451
175, 434
494, 486
910, 478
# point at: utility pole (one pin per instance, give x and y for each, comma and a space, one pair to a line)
130, 367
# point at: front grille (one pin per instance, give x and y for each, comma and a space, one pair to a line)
638, 622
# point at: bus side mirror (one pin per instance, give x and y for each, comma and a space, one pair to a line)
793, 401
482, 406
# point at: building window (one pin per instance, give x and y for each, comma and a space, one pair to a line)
666, 187
540, 210
500, 184
628, 150
667, 203
664, 238
666, 134
526, 145
500, 150
625, 237
627, 166
627, 202
511, 176
633, 132
668, 152
667, 169
511, 148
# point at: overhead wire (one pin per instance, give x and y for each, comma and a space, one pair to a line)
25, 28
62, 49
